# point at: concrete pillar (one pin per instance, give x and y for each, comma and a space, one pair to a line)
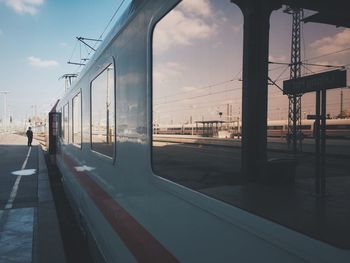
255, 78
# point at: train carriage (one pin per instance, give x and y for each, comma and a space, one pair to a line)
131, 213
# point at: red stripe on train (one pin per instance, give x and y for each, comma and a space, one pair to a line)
145, 247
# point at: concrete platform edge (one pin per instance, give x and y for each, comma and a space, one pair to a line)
47, 243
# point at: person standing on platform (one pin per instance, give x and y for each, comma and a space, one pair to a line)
30, 136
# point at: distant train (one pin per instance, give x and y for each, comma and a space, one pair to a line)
335, 128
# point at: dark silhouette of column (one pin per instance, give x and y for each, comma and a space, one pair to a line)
255, 78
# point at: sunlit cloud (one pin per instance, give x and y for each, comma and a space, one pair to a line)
237, 28
38, 62
196, 7
131, 78
218, 44
163, 73
187, 23
24, 6
188, 88
278, 58
331, 44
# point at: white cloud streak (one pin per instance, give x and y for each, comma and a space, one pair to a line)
38, 62
278, 58
24, 6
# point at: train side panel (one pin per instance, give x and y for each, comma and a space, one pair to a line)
136, 216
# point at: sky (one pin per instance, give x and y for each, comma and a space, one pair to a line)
198, 75
197, 56
37, 38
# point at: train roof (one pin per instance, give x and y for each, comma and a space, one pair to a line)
123, 19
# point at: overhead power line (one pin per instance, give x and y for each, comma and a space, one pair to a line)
328, 54
110, 20
204, 87
197, 89
92, 47
199, 96
83, 40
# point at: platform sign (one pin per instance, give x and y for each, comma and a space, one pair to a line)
322, 81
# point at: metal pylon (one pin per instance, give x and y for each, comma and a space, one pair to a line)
294, 112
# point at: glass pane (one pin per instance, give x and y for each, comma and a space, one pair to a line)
197, 56
65, 123
291, 190
102, 112
77, 119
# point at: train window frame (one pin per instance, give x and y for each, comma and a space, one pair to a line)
65, 133
61, 125
173, 186
78, 145
110, 61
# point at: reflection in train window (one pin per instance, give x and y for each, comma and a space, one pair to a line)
197, 56
103, 113
303, 187
65, 126
76, 125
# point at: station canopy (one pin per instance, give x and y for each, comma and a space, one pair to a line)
331, 12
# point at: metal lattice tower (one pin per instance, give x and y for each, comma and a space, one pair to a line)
294, 110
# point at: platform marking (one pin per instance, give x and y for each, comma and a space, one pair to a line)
16, 236
25, 172
16, 226
15, 186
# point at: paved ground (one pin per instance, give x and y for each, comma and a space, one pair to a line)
215, 171
18, 199
29, 230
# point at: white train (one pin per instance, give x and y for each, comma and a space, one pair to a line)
132, 214
335, 128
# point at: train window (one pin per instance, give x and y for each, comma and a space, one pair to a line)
278, 127
197, 55
338, 127
309, 192
103, 113
76, 125
65, 126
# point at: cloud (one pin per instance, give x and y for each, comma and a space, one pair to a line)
278, 58
38, 62
196, 7
330, 44
182, 26
189, 89
63, 44
237, 28
24, 6
162, 73
131, 78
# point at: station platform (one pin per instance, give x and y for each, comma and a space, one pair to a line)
37, 223
29, 226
